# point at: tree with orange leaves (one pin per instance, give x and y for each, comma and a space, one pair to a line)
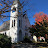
41, 17
41, 24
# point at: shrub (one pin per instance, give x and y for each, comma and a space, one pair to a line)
27, 39
5, 42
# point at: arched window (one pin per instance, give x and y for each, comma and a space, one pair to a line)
14, 9
14, 22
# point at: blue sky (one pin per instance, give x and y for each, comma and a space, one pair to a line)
38, 6
34, 6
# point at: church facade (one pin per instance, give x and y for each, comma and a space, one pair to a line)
19, 23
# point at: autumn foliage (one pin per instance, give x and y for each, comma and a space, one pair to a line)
41, 25
40, 17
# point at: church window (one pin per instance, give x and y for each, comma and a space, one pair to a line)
19, 23
14, 9
14, 22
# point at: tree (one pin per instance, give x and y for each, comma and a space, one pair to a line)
5, 42
41, 18
6, 8
32, 30
41, 24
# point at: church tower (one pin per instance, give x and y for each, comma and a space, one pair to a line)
19, 23
16, 11
16, 21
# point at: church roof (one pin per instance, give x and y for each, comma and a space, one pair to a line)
5, 26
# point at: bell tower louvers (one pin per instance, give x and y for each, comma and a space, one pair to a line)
15, 20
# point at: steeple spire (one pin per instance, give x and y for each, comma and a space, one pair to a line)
16, 1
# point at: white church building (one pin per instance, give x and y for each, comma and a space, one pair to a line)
19, 23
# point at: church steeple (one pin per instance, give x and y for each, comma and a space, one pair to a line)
15, 2
17, 22
16, 10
